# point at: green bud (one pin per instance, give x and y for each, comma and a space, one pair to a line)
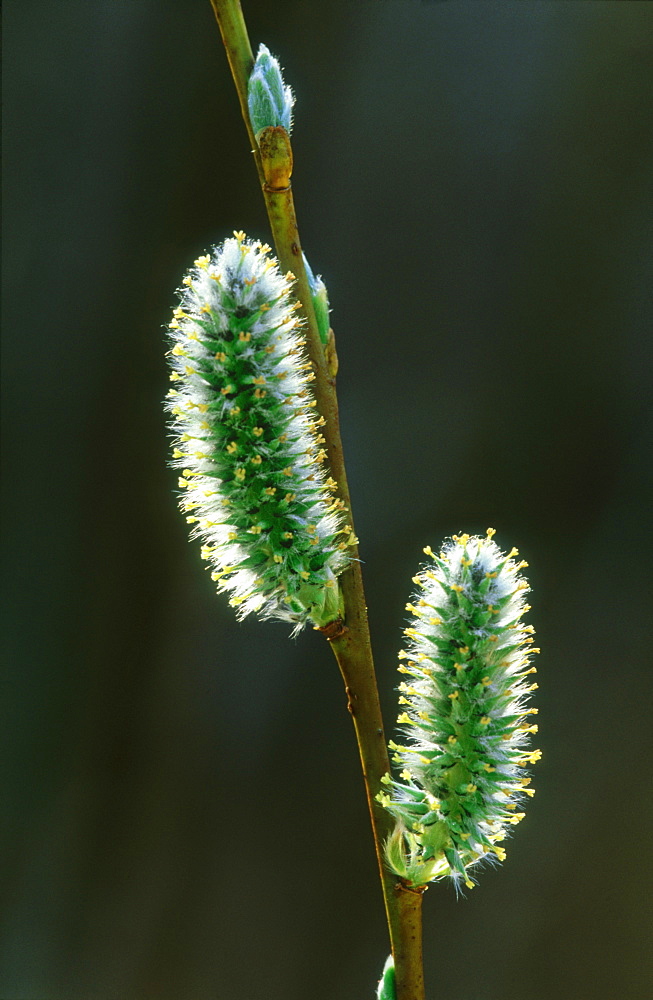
320, 301
269, 100
386, 988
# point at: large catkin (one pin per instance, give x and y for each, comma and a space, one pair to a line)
247, 440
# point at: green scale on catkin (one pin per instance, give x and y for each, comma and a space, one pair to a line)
248, 442
464, 712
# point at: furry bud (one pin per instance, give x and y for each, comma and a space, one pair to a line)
269, 100
320, 300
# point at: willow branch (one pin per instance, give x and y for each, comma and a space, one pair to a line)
351, 645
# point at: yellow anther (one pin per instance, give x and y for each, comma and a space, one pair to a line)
240, 235
258, 380
304, 575
466, 562
260, 393
232, 447
517, 818
240, 474
452, 739
288, 470
453, 696
457, 588
220, 356
471, 788
278, 559
244, 337
491, 532
486, 681
489, 768
289, 497
256, 529
486, 720
256, 459
406, 775
427, 550
227, 389
257, 431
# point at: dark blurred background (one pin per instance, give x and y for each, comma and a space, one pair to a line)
184, 811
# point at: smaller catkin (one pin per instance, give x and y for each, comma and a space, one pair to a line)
247, 440
464, 713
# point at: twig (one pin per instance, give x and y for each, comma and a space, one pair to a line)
351, 645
